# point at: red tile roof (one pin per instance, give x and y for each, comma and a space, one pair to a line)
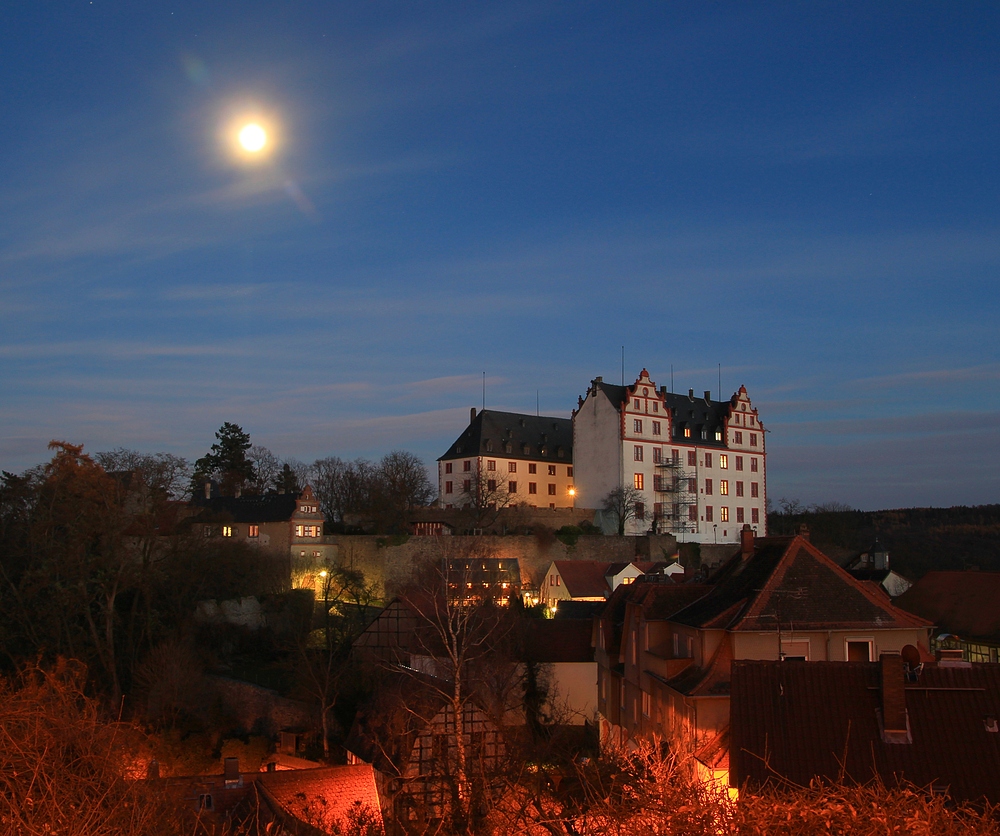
791, 721
321, 797
964, 603
584, 578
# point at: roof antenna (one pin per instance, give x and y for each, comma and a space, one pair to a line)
484, 391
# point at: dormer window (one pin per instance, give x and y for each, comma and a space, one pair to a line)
489, 446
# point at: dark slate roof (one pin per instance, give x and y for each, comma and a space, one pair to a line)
512, 435
272, 507
791, 580
784, 725
964, 603
698, 414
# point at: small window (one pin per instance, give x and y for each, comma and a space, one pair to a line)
467, 485
738, 438
723, 487
739, 489
704, 435
227, 531
753, 439
692, 458
552, 470
637, 481
724, 514
656, 428
448, 487
491, 485
512, 467
692, 486
466, 466
739, 462
859, 650
569, 471
532, 468
739, 515
708, 513
657, 455
754, 515
253, 531
447, 467
491, 464
532, 487
754, 489
640, 510
637, 453
718, 435
637, 426
723, 461
636, 402
512, 487
205, 802
552, 490
753, 465
708, 487
708, 460
687, 432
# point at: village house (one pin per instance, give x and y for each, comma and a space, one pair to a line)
586, 580
665, 652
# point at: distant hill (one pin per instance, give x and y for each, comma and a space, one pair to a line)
917, 539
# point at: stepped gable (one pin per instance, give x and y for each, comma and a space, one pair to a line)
791, 580
963, 603
511, 435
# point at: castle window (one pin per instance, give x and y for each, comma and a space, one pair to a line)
708, 460
687, 432
552, 470
753, 439
637, 453
447, 467
724, 514
692, 458
532, 468
656, 428
739, 489
512, 487
739, 462
738, 438
466, 466
637, 426
708, 487
512, 467
447, 487
754, 515
723, 461
227, 531
253, 531
754, 489
753, 465
708, 513
739, 515
491, 464
637, 481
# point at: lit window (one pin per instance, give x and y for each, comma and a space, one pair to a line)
532, 487
637, 481
552, 470
754, 489
708, 513
708, 487
552, 490
637, 453
718, 435
532, 468
739, 489
753, 465
512, 467
512, 487
724, 514
754, 515
739, 462
491, 464
724, 488
447, 487
656, 428
447, 467
723, 461
227, 531
300, 531
253, 531
708, 460
687, 432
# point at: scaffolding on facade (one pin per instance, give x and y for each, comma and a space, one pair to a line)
674, 495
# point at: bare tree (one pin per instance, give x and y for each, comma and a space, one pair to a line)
266, 469
486, 497
623, 505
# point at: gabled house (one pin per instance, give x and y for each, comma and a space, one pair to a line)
934, 726
776, 599
563, 650
287, 523
965, 609
586, 580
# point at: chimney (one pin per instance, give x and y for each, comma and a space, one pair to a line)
708, 396
472, 415
803, 531
232, 773
208, 489
690, 394
747, 540
894, 725
951, 657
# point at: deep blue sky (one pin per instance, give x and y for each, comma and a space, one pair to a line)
805, 193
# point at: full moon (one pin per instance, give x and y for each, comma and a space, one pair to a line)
253, 137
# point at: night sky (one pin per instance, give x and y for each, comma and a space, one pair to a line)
806, 194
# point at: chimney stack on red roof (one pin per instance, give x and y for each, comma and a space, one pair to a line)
747, 541
893, 697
